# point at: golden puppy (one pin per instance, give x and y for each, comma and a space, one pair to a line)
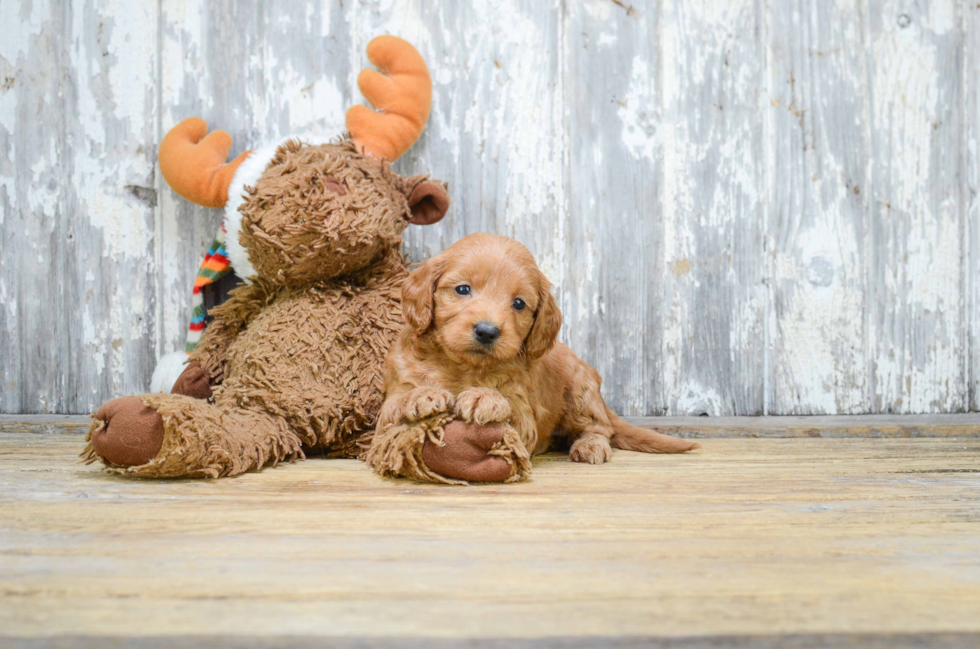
480, 347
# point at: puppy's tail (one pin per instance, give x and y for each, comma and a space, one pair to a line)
631, 438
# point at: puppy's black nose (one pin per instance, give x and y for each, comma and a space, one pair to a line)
485, 333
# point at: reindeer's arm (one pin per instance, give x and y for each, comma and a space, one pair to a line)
230, 319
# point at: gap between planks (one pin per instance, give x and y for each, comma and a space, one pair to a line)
830, 426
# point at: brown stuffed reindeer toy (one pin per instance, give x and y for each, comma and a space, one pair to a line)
295, 358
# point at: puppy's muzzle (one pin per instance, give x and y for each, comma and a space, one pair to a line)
486, 333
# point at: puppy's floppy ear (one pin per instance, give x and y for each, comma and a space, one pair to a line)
417, 295
428, 200
547, 324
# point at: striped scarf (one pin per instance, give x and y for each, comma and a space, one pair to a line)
214, 267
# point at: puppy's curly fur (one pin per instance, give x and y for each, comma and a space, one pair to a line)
480, 347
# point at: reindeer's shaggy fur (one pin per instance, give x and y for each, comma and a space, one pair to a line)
313, 202
295, 358
534, 388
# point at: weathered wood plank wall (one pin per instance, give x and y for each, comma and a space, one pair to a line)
747, 207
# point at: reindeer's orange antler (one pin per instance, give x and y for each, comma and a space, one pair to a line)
402, 99
194, 165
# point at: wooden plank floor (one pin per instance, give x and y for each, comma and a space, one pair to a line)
747, 541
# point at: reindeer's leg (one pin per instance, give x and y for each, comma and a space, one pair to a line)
483, 442
473, 452
449, 451
427, 434
170, 436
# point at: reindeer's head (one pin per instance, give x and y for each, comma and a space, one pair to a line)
298, 212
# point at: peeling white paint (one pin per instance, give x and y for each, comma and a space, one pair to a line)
23, 22
820, 184
518, 98
713, 310
100, 171
93, 340
9, 304
314, 103
918, 344
183, 69
636, 112
8, 197
44, 190
695, 400
652, 197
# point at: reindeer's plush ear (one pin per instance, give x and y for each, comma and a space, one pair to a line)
547, 324
418, 291
428, 202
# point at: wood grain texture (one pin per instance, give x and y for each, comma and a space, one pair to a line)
76, 267
819, 152
33, 216
842, 426
782, 641
916, 290
970, 154
743, 538
612, 297
746, 207
833, 426
715, 293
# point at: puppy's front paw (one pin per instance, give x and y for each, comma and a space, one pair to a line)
482, 405
425, 402
591, 449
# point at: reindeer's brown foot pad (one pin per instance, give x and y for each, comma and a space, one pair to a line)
193, 382
441, 450
475, 453
130, 432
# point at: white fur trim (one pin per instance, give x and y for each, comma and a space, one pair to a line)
169, 367
247, 174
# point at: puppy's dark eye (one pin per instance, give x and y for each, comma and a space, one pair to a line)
462, 289
519, 304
